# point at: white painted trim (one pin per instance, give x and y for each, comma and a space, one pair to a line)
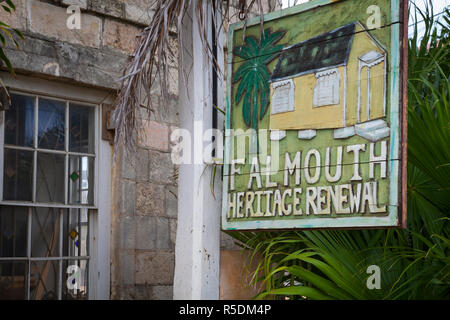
197, 248
57, 89
277, 135
369, 60
344, 133
344, 102
306, 134
102, 220
369, 95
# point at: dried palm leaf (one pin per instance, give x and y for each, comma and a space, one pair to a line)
149, 63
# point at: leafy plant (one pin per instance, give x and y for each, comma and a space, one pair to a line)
254, 75
415, 262
7, 31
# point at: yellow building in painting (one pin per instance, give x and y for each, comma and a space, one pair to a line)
336, 80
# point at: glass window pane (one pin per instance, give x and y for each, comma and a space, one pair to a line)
51, 124
18, 175
13, 280
45, 232
81, 129
81, 180
19, 121
44, 280
50, 177
75, 233
13, 231
75, 280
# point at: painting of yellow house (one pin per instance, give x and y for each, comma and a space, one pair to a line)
336, 80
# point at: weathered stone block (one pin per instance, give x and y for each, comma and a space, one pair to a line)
152, 233
162, 293
81, 3
128, 163
146, 233
127, 197
161, 167
139, 11
119, 35
80, 64
173, 232
149, 199
127, 235
142, 173
154, 135
172, 201
50, 20
114, 8
162, 233
168, 112
128, 268
155, 267
135, 166
17, 19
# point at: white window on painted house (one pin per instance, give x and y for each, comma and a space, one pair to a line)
326, 91
283, 99
47, 169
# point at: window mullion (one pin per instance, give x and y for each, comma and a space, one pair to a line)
36, 118
60, 277
66, 167
29, 220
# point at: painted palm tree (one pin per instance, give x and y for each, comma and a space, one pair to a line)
254, 74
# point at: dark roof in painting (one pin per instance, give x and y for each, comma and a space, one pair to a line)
326, 50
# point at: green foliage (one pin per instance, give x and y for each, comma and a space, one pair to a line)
6, 32
254, 74
415, 262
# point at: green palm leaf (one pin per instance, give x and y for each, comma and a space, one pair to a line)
253, 74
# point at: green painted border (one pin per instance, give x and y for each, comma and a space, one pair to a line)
392, 219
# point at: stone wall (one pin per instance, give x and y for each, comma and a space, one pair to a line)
144, 225
144, 195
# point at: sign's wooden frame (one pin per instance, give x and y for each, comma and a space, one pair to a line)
397, 215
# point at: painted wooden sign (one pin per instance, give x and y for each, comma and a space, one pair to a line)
316, 134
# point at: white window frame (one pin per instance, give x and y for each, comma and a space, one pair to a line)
290, 98
100, 222
335, 85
